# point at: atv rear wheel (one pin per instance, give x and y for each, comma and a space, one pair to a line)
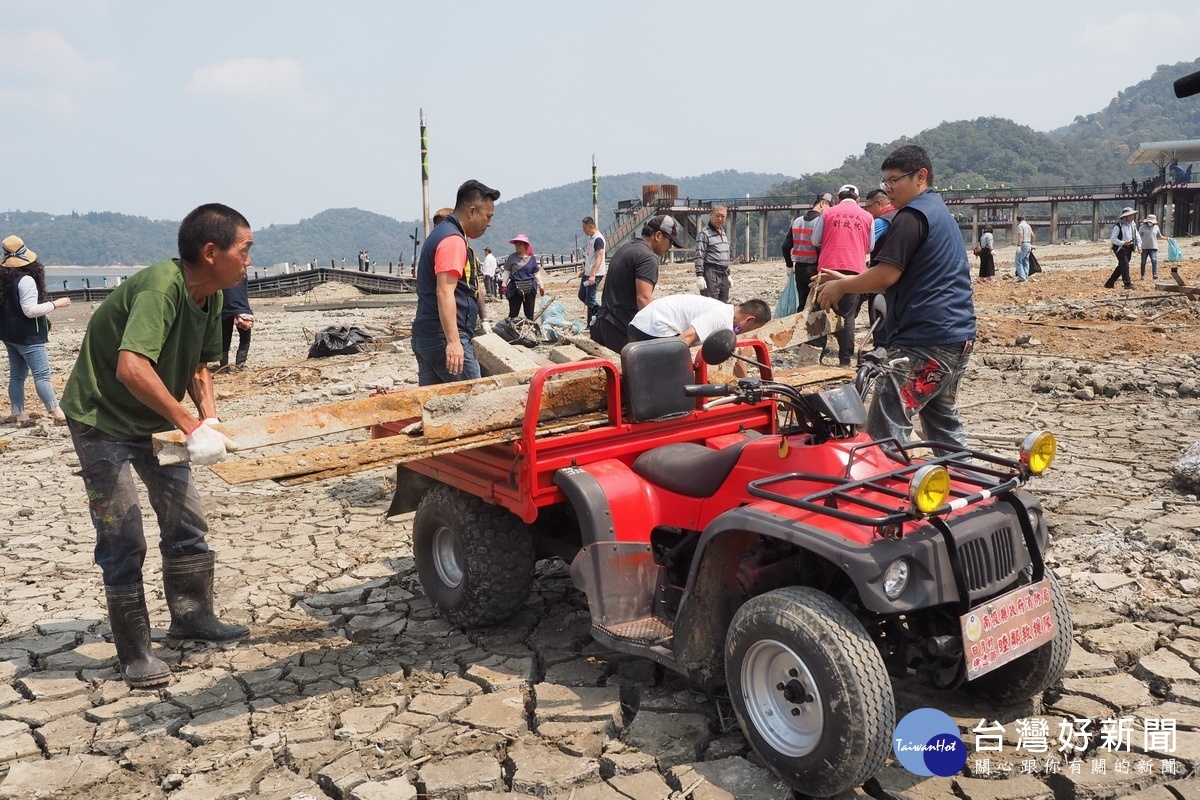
1033, 673
810, 690
475, 560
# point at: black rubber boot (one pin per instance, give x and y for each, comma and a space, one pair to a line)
131, 634
188, 582
240, 359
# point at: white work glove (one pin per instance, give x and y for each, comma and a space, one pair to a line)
730, 281
206, 445
486, 325
701, 284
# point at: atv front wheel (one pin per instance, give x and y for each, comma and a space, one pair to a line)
475, 560
810, 690
1033, 673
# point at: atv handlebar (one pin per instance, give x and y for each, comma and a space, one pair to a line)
709, 389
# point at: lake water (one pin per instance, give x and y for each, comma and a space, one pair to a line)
60, 278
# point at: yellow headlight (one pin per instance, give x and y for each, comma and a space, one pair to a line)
929, 488
1037, 452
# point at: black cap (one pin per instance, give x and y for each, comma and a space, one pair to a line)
666, 224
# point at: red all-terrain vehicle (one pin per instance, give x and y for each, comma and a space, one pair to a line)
761, 539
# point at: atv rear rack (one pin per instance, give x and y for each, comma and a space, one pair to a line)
965, 466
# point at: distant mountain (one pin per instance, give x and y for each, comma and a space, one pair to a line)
336, 234
95, 239
983, 152
1145, 112
550, 217
990, 151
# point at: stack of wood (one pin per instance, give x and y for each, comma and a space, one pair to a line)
448, 418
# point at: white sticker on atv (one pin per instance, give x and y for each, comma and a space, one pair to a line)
1008, 627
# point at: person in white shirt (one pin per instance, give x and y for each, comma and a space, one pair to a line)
692, 317
1024, 248
1148, 235
25, 329
594, 268
489, 274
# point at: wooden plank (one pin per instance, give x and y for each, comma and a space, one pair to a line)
1081, 325
782, 332
576, 424
347, 458
290, 426
1190, 291
815, 374
396, 449
448, 417
1175, 276
328, 462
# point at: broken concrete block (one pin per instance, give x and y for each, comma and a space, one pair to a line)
497, 356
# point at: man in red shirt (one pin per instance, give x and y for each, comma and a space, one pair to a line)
448, 301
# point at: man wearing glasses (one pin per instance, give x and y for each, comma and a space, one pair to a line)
922, 268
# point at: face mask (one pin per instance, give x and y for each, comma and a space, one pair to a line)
737, 328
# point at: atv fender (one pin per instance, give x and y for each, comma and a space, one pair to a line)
708, 606
410, 488
615, 567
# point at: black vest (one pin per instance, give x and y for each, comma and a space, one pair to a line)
427, 325
15, 327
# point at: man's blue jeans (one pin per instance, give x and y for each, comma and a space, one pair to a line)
22, 360
105, 466
1021, 261
927, 386
587, 294
431, 361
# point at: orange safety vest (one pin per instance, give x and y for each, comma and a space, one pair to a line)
803, 249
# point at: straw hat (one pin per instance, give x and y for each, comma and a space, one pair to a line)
16, 254
1153, 220
1128, 212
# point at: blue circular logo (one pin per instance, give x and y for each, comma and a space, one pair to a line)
927, 743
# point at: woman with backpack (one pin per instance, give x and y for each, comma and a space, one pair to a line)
524, 281
25, 329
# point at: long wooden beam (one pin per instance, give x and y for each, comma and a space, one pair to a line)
344, 459
305, 423
328, 462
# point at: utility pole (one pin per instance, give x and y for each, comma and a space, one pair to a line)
595, 192
424, 175
747, 227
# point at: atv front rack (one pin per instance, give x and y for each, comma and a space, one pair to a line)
974, 476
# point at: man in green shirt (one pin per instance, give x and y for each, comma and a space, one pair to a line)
146, 346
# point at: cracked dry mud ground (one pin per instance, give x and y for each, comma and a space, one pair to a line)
352, 686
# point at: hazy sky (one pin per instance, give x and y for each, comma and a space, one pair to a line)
283, 108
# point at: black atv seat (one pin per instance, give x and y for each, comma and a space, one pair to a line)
690, 469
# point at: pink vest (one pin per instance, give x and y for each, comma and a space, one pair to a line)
845, 237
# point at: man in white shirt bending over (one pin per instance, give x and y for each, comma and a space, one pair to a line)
692, 317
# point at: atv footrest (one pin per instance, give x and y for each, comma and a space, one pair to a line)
644, 632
